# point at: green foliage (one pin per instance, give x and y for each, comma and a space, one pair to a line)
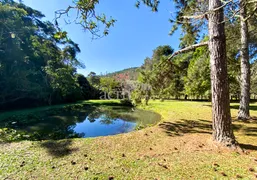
94, 79
110, 86
158, 53
34, 69
9, 135
186, 74
142, 93
88, 91
155, 76
137, 96
197, 81
165, 77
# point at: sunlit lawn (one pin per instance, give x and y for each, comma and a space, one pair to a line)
179, 147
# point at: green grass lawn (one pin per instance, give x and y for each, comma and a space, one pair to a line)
179, 147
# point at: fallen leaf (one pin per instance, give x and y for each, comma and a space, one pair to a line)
251, 169
163, 165
215, 164
22, 164
223, 174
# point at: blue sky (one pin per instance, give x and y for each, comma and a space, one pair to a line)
135, 34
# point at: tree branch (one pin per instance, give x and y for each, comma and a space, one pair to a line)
249, 16
252, 1
189, 48
201, 16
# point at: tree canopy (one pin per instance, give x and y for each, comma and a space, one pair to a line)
38, 62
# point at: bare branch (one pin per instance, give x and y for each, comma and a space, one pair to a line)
225, 3
201, 16
254, 11
252, 1
59, 13
187, 49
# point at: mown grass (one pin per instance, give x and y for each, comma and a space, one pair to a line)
179, 147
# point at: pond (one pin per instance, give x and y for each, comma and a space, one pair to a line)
76, 121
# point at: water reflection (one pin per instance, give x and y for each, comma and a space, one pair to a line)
80, 121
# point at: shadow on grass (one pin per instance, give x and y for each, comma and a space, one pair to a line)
59, 148
250, 131
185, 126
248, 147
252, 107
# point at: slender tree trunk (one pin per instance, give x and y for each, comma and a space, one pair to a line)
244, 112
222, 125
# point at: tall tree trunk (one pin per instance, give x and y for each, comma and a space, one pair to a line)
222, 125
244, 113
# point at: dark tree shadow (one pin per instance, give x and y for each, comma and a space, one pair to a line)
248, 147
185, 126
59, 148
250, 131
252, 107
250, 121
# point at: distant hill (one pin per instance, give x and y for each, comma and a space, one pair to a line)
132, 73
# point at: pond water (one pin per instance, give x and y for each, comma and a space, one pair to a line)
79, 121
